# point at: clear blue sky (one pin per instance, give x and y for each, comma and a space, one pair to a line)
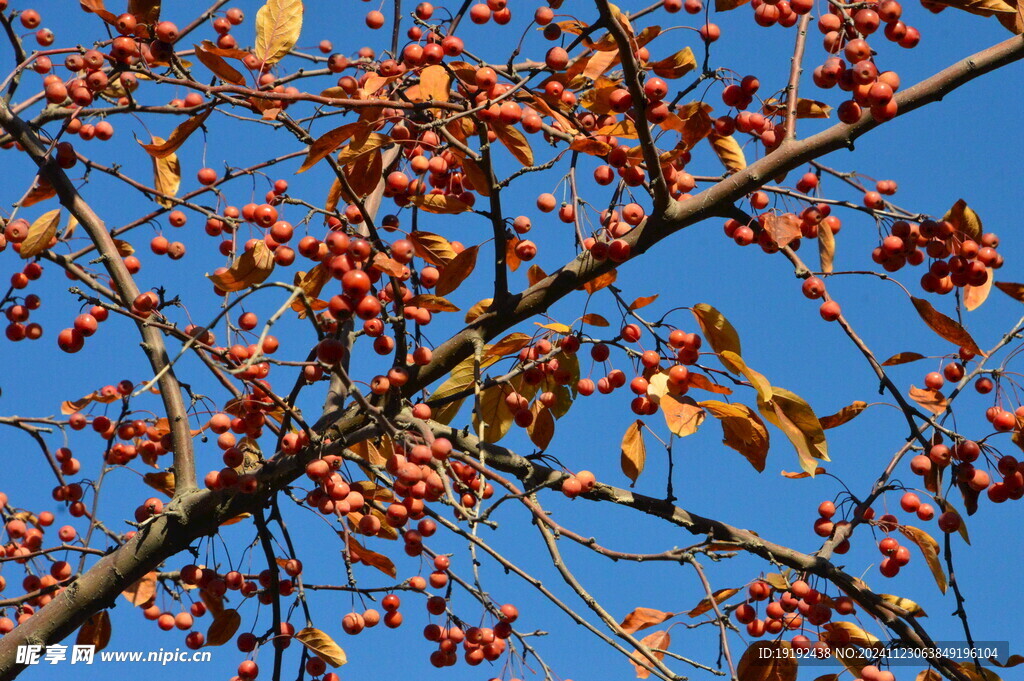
967, 146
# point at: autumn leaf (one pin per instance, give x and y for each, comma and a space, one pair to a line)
95, 631
509, 345
216, 63
278, 25
782, 228
327, 143
223, 627
589, 145
717, 597
634, 452
361, 147
311, 283
178, 136
743, 430
729, 152
514, 141
844, 415
682, 415
932, 400
439, 203
643, 301
794, 417
142, 591
493, 418
161, 482
322, 645
910, 606
659, 640
676, 66
433, 248
1015, 291
643, 618
146, 11
826, 247
929, 549
902, 358
431, 302
964, 219
40, 233
382, 263
719, 333
542, 429
594, 319
767, 661
535, 274
478, 309
974, 296
695, 380
802, 474
96, 7
600, 281
251, 268
623, 128
456, 271
435, 83
944, 326
726, 5
166, 175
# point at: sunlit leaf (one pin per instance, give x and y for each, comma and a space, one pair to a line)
178, 136
251, 268
902, 358
707, 603
929, 549
633, 451
41, 232
643, 618
729, 152
456, 271
213, 61
743, 430
676, 66
223, 627
433, 248
932, 400
166, 175
95, 631
844, 415
944, 326
322, 645
439, 203
278, 25
764, 661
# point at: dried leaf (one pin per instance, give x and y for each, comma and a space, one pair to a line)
902, 358
910, 606
456, 271
782, 228
726, 5
719, 333
643, 301
435, 83
311, 283
42, 231
556, 327
695, 380
142, 591
929, 549
542, 430
278, 24
1011, 661
478, 309
216, 63
509, 345
682, 415
361, 147
431, 302
595, 319
322, 645
383, 263
932, 400
439, 203
826, 247
493, 418
767, 660
974, 296
96, 7
729, 152
161, 482
643, 618
705, 605
676, 66
1015, 291
40, 192
844, 415
589, 145
634, 452
327, 143
600, 281
624, 128
146, 11
251, 268
433, 248
166, 175
944, 326
223, 627
743, 430
514, 141
535, 274
95, 631
791, 414
178, 136
965, 220
659, 640
802, 474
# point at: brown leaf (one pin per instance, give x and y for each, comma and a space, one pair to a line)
659, 640
178, 136
216, 63
589, 145
1015, 291
493, 418
478, 309
251, 268
782, 228
802, 474
791, 414
161, 482
166, 175
706, 603
720, 334
142, 591
223, 627
514, 141
683, 416
642, 618
676, 66
383, 263
944, 326
40, 192
965, 220
624, 128
805, 108
726, 5
594, 319
743, 430
456, 271
433, 248
42, 231
729, 152
634, 452
695, 380
643, 301
767, 660
826, 247
932, 400
902, 358
95, 631
322, 645
96, 7
327, 143
278, 24
694, 123
435, 83
481, 181
439, 203
311, 283
974, 296
600, 281
509, 345
1011, 661
535, 274
844, 415
431, 302
512, 259
542, 430
929, 549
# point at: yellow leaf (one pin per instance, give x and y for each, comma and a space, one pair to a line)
433, 248
634, 451
178, 136
223, 627
974, 296
910, 606
706, 603
42, 231
791, 414
362, 147
965, 220
676, 66
600, 281
624, 128
439, 203
514, 141
251, 268
166, 175
742, 429
493, 417
929, 549
729, 152
509, 345
322, 645
478, 309
435, 83
311, 283
844, 415
719, 333
535, 274
431, 302
278, 25
216, 63
162, 482
682, 415
556, 327
588, 145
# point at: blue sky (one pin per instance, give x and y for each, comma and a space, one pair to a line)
967, 147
